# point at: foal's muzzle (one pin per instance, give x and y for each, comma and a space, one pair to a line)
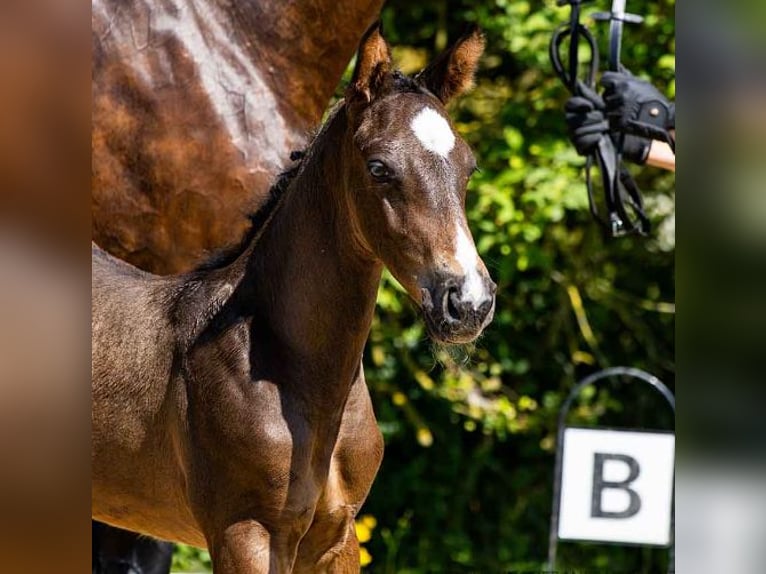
451, 315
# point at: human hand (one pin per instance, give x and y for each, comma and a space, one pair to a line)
585, 119
634, 106
587, 124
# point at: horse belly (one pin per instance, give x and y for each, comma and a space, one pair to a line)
138, 480
143, 490
160, 523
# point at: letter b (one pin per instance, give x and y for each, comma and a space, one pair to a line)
599, 485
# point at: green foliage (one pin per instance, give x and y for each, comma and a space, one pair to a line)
191, 559
466, 482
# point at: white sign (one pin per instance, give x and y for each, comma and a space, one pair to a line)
616, 486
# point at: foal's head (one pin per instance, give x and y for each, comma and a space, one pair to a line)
408, 184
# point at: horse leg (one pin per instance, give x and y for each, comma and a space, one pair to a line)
329, 547
243, 548
346, 560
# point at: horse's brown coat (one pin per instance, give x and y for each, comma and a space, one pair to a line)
197, 105
229, 404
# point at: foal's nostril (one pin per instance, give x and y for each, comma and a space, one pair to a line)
451, 304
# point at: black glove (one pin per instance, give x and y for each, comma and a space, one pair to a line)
585, 119
587, 124
634, 106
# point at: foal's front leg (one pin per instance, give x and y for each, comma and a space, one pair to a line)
340, 557
330, 546
247, 547
251, 534
243, 547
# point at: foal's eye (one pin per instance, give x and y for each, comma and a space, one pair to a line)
378, 170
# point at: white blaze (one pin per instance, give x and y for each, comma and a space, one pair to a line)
433, 131
466, 256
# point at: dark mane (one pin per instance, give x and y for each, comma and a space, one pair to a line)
227, 256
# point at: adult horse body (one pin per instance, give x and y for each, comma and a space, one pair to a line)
196, 107
229, 404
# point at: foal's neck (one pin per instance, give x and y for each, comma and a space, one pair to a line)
307, 282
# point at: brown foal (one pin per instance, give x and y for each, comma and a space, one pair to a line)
230, 409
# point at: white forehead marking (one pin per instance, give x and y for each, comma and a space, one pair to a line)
433, 131
465, 253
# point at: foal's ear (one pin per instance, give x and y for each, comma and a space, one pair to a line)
373, 62
451, 73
